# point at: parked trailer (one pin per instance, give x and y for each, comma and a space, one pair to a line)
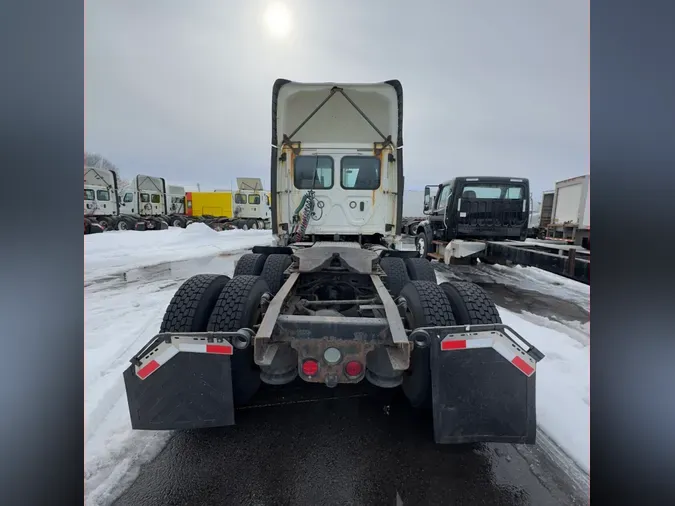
336, 301
571, 217
486, 218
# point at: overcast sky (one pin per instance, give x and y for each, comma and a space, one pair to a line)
182, 88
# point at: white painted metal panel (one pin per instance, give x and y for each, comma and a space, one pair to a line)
567, 204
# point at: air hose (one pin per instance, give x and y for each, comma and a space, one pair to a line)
307, 208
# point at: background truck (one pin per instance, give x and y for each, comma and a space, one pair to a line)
101, 208
467, 208
145, 204
247, 208
571, 216
336, 301
486, 219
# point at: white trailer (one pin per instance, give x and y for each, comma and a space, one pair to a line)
571, 216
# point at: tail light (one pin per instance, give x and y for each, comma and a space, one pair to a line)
310, 367
353, 368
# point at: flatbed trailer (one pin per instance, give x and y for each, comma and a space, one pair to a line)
566, 260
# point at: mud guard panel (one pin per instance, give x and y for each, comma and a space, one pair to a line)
479, 396
190, 391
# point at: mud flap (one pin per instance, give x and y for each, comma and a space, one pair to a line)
483, 386
181, 382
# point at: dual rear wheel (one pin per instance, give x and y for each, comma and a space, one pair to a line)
209, 302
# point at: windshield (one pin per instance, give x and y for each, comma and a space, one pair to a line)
492, 191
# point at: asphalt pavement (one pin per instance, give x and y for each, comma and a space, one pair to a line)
309, 445
340, 447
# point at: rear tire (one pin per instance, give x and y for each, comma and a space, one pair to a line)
273, 271
191, 306
106, 223
420, 269
427, 307
125, 223
177, 221
237, 307
470, 304
250, 264
396, 274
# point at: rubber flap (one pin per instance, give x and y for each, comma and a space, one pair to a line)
479, 396
190, 391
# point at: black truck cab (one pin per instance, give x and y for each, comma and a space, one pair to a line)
488, 208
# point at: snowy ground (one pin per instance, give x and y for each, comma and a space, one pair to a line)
130, 278
125, 299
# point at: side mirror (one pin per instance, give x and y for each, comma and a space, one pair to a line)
427, 199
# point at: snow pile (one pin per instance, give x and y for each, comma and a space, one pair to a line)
115, 251
563, 382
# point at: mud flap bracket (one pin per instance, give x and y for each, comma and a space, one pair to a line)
482, 384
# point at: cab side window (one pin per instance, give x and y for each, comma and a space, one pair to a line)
443, 198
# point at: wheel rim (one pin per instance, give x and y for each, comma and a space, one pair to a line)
122, 225
254, 226
176, 223
420, 246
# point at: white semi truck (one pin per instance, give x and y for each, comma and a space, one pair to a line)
101, 207
336, 301
149, 203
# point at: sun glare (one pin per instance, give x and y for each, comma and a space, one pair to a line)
278, 20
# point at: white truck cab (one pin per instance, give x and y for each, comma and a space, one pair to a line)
175, 199
250, 201
337, 152
145, 196
100, 192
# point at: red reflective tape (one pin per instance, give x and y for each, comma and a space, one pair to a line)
453, 345
221, 349
522, 365
147, 370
